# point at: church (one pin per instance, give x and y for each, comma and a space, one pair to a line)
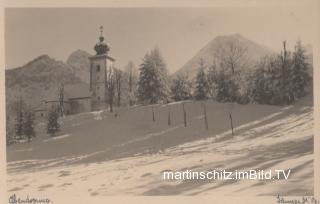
82, 97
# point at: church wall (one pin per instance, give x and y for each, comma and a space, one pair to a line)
80, 105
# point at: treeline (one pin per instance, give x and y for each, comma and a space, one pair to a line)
22, 126
279, 79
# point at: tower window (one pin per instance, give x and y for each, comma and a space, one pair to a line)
98, 98
98, 68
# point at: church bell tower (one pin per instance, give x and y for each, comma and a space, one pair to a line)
101, 67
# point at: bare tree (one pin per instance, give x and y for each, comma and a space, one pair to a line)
110, 88
132, 78
61, 100
232, 55
118, 80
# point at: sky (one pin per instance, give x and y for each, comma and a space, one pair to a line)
132, 32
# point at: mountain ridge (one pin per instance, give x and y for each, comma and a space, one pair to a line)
208, 52
41, 78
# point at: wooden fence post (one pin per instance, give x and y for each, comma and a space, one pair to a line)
169, 115
205, 115
153, 117
184, 115
231, 123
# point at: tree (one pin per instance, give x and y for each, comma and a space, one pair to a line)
299, 76
181, 88
9, 130
110, 83
153, 79
201, 84
212, 80
118, 81
132, 78
226, 87
53, 125
19, 120
61, 100
232, 56
286, 94
28, 125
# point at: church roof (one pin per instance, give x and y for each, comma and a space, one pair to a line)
71, 92
75, 91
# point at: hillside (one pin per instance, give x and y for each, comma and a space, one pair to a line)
41, 78
254, 52
99, 154
80, 64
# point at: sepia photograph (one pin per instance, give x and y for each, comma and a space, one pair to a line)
159, 101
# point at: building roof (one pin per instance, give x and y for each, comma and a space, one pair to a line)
39, 107
101, 56
74, 91
80, 90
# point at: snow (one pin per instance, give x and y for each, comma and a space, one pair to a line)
126, 155
57, 137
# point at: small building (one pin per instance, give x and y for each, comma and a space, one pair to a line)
40, 111
76, 99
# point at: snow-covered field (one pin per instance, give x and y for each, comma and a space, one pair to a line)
125, 154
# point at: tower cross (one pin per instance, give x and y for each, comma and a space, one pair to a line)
101, 30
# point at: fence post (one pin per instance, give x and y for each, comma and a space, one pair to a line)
184, 115
205, 115
169, 115
153, 118
231, 123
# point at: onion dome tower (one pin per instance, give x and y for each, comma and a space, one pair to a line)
101, 67
101, 47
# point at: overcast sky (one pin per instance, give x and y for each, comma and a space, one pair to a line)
179, 33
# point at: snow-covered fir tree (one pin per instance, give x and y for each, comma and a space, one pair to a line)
19, 120
53, 125
299, 76
153, 80
28, 125
181, 88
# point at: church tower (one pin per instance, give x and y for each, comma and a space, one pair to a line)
101, 66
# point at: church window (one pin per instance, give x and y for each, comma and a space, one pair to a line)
98, 98
98, 68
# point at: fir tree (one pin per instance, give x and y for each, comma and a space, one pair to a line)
53, 125
153, 79
28, 125
299, 76
181, 88
227, 89
9, 131
19, 120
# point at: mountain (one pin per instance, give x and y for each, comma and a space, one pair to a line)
38, 79
79, 62
253, 52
